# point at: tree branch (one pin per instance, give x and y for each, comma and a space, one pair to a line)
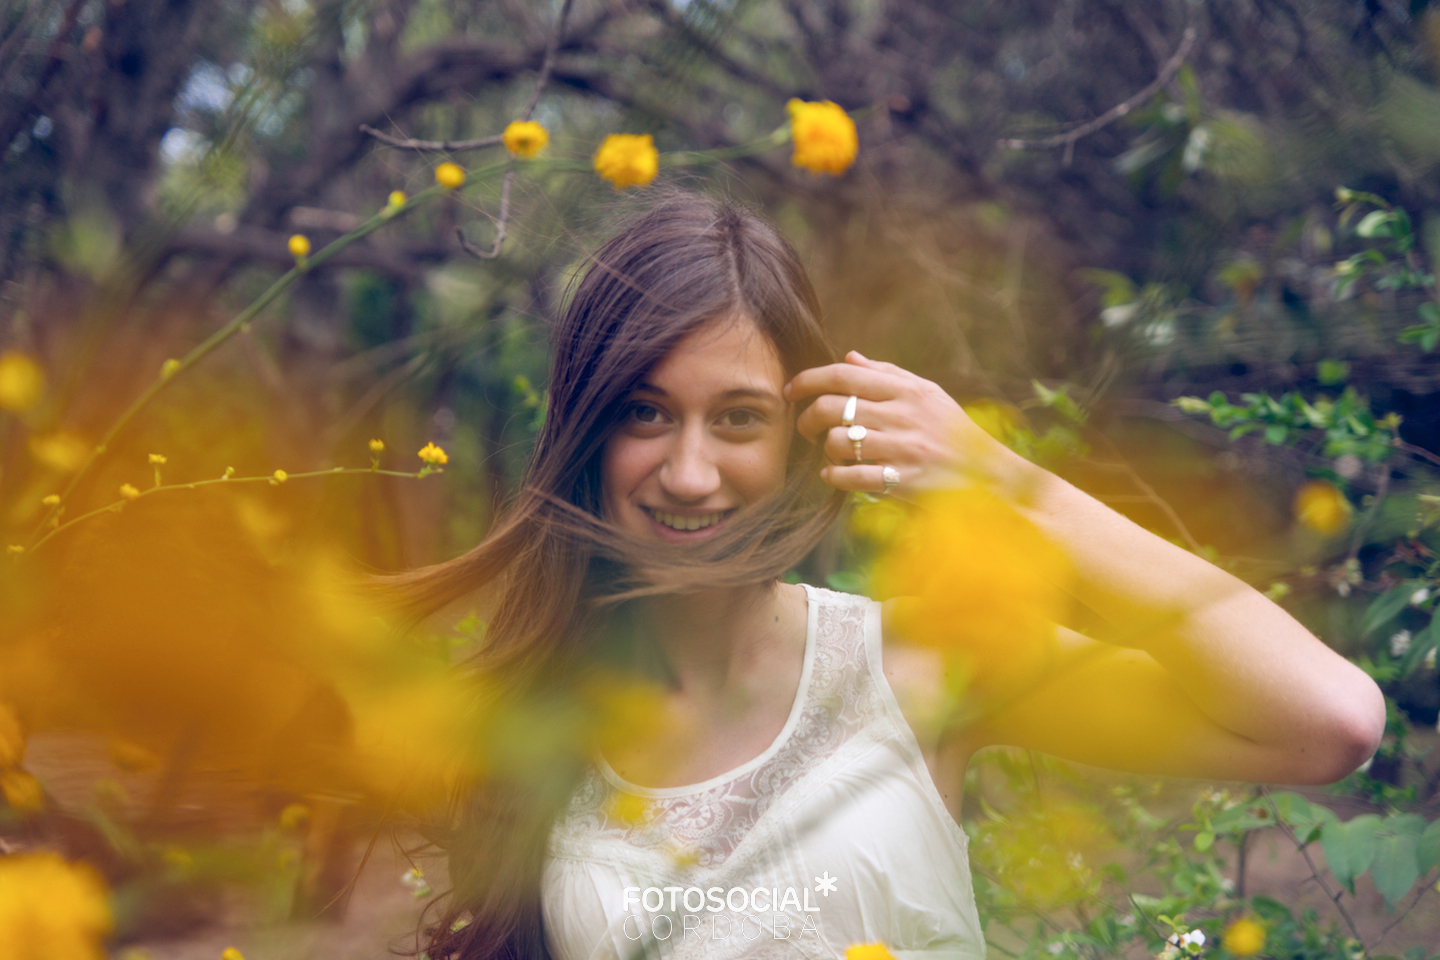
1067, 140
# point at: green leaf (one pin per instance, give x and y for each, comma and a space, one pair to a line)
1350, 847
1276, 433
846, 581
1427, 852
1396, 868
1204, 841
1376, 223
1430, 313
1331, 372
1387, 606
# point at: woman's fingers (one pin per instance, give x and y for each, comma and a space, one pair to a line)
843, 379
862, 478
826, 411
876, 445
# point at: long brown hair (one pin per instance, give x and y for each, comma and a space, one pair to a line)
560, 574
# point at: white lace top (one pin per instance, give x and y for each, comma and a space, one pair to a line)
834, 836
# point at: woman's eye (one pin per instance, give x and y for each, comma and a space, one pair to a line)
740, 418
644, 413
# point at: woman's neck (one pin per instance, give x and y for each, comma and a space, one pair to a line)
710, 642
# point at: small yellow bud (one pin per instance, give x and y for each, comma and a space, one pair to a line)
300, 246
396, 200
525, 138
157, 458
22, 791
229, 472
627, 160
53, 500
128, 492
293, 815
168, 368
1321, 506
377, 446
279, 476
432, 454
449, 176
15, 549
230, 953
21, 381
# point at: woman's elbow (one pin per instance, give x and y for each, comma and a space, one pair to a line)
1352, 735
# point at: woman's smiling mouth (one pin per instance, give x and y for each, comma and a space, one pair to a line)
686, 523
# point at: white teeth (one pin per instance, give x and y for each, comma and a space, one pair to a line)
675, 522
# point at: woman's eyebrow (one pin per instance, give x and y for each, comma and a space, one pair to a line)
738, 393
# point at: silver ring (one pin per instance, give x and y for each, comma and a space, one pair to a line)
857, 433
892, 477
847, 416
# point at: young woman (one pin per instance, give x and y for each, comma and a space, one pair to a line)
699, 441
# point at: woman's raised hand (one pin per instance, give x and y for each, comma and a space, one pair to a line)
910, 424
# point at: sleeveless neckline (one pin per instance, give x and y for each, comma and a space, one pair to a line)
797, 708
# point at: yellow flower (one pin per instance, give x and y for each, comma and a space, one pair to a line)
61, 450
627, 808
627, 160
1244, 937
22, 791
168, 368
51, 500
1321, 506
432, 454
449, 176
869, 951
12, 738
21, 381
230, 953
128, 492
377, 446
280, 476
52, 909
300, 246
15, 549
157, 458
525, 138
824, 134
396, 200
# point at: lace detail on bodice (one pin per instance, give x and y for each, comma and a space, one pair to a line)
706, 826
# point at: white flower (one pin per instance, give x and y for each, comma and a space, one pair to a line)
1429, 660
1195, 937
1118, 316
1399, 643
1419, 596
1055, 949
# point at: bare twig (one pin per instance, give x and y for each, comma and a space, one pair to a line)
1415, 451
445, 146
1334, 895
549, 62
500, 222
1381, 488
1424, 887
1147, 494
1067, 140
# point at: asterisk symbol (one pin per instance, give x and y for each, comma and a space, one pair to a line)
824, 883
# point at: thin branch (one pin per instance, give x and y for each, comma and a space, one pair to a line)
1067, 140
1315, 872
1424, 887
1415, 451
445, 146
1148, 494
1382, 488
500, 222
549, 62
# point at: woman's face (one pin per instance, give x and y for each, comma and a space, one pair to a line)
706, 433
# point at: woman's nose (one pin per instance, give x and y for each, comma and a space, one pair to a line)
689, 473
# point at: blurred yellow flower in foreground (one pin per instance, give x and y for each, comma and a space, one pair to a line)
21, 381
12, 738
299, 246
869, 951
61, 450
996, 418
978, 581
1244, 937
157, 458
230, 953
628, 160
396, 200
449, 176
279, 476
128, 491
377, 446
432, 454
626, 807
294, 815
130, 756
51, 910
51, 500
1321, 506
525, 138
824, 134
